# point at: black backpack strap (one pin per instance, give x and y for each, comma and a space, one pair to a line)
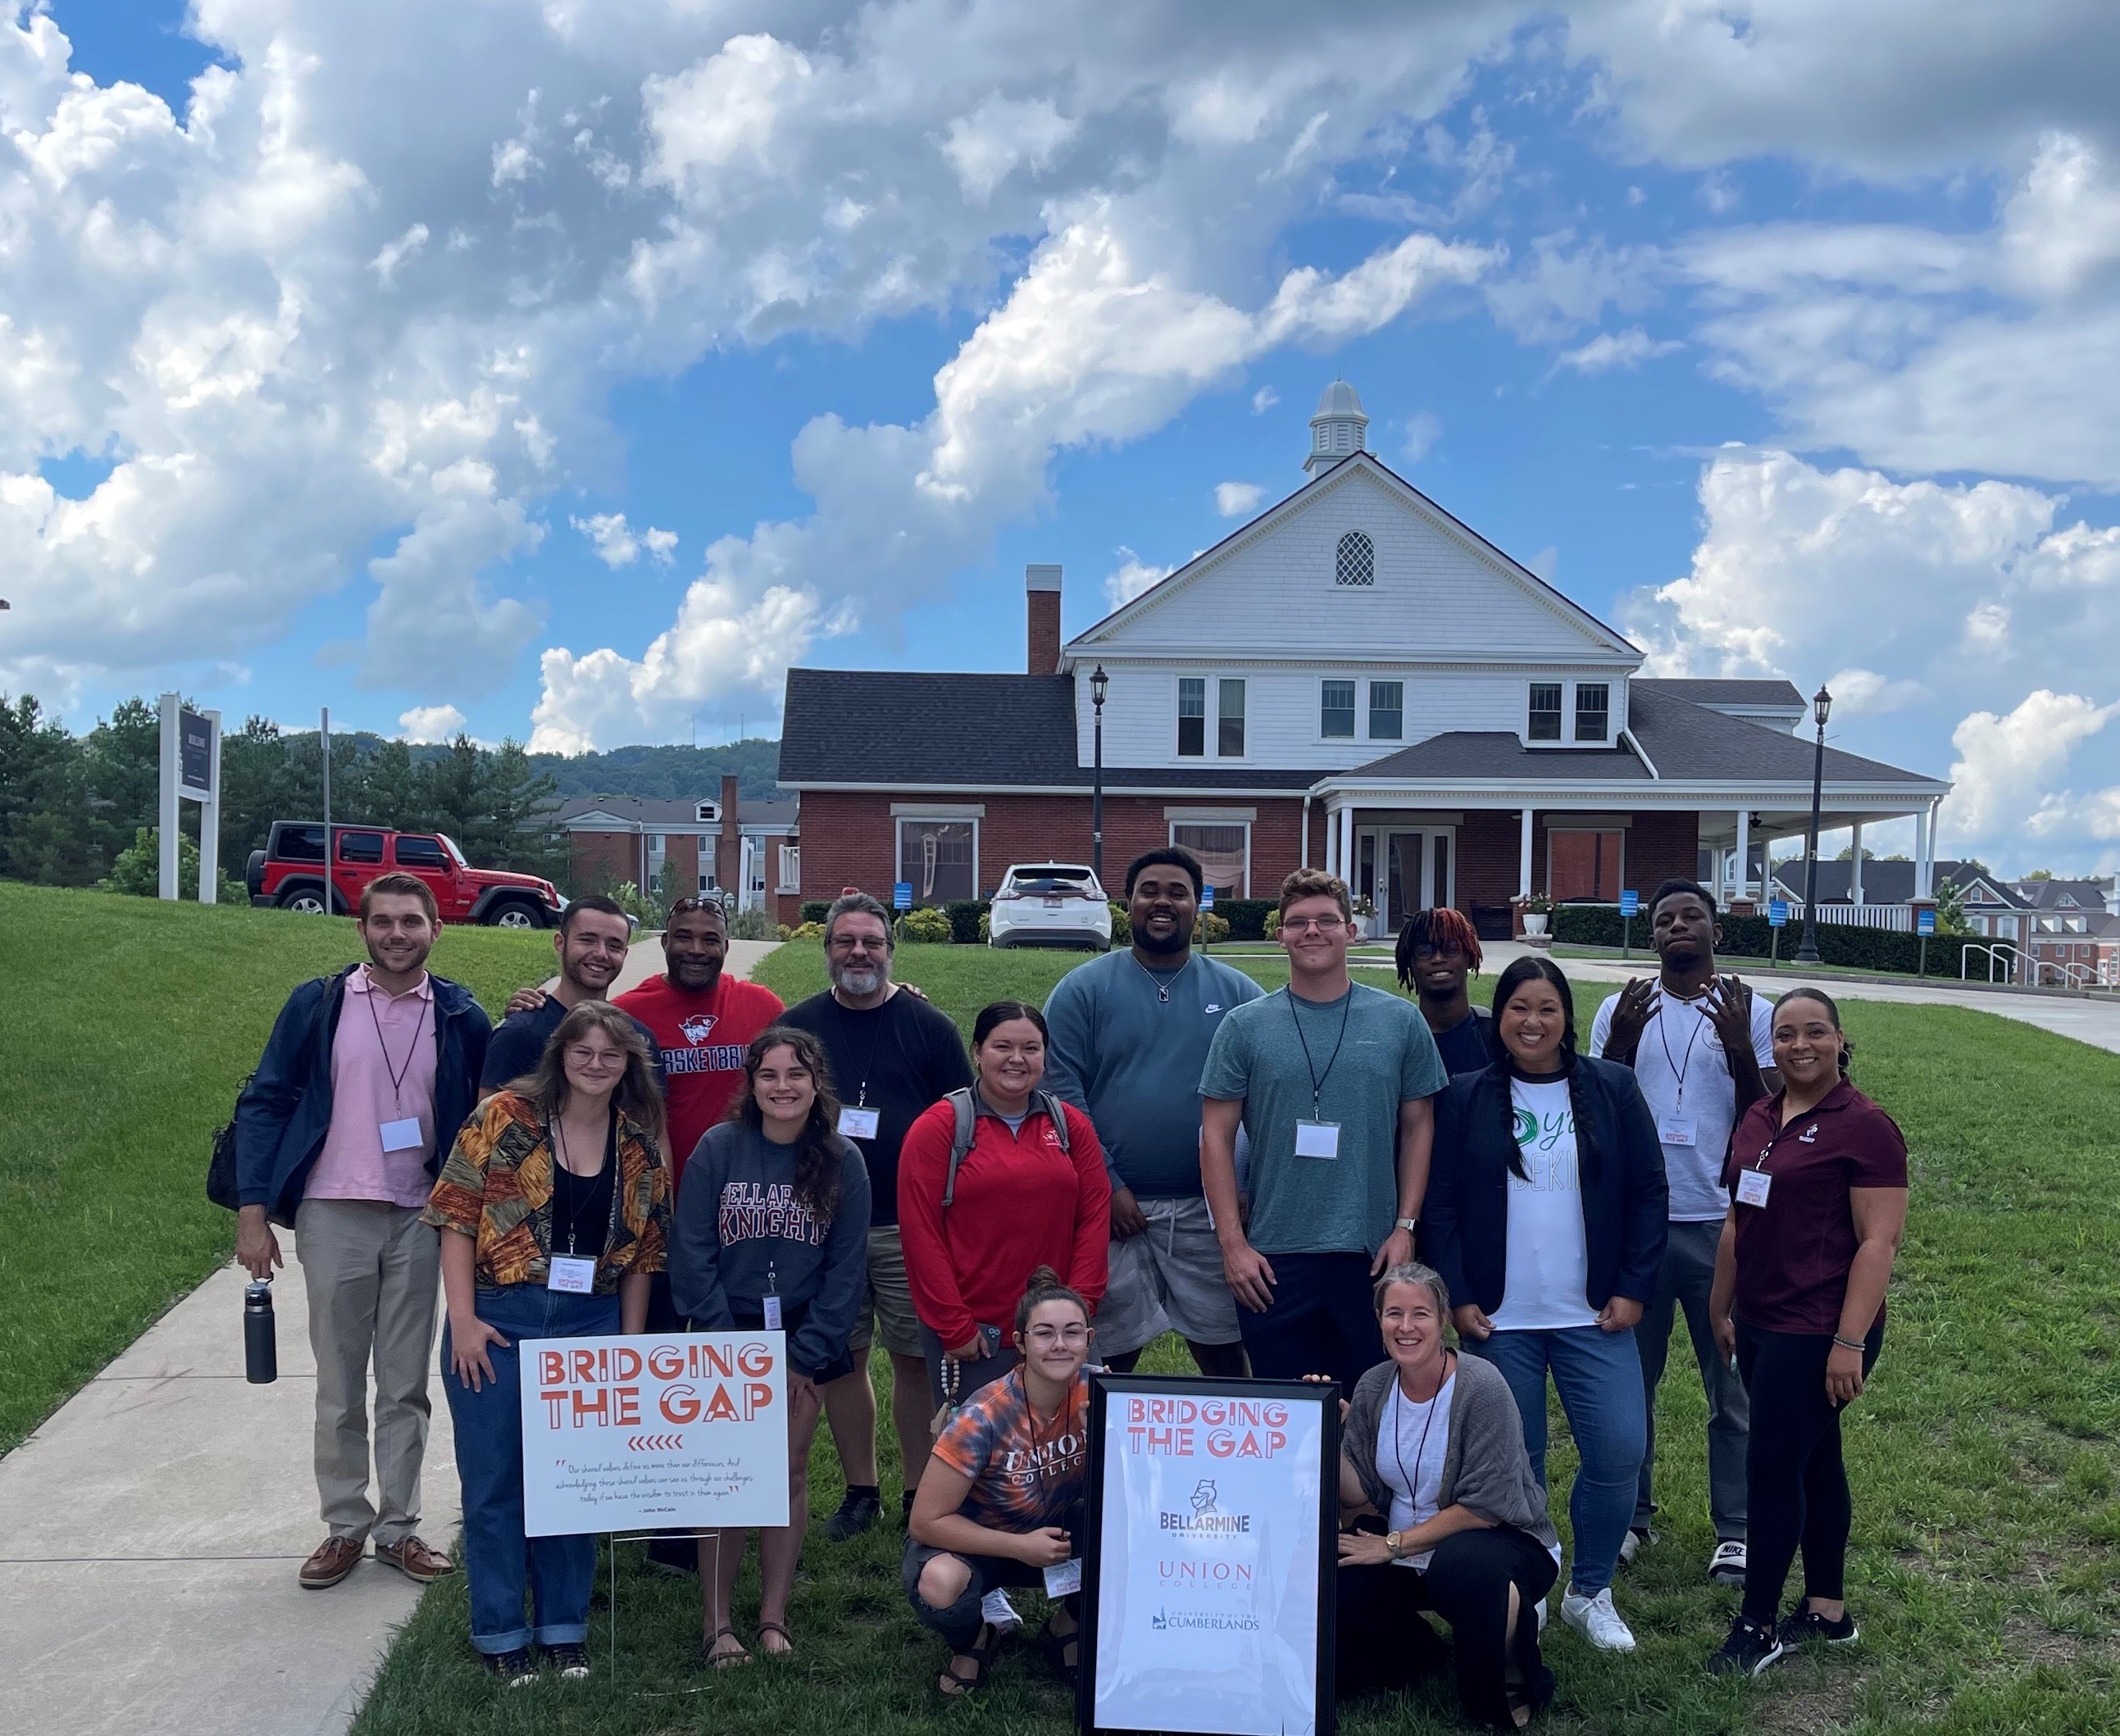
961, 1138
1056, 1112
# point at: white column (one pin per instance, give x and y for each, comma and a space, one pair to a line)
1523, 859
1744, 853
1346, 869
1855, 864
172, 751
1921, 852
1331, 835
210, 819
1303, 857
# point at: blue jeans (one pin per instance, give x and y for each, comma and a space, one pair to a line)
1598, 1375
558, 1572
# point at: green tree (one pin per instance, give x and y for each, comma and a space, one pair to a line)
124, 753
137, 870
47, 813
514, 829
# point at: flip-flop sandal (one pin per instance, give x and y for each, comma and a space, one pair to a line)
788, 1645
980, 1655
724, 1659
1057, 1645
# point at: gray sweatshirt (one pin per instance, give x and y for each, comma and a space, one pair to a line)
739, 1233
1484, 1467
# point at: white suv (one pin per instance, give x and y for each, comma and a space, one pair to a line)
1051, 904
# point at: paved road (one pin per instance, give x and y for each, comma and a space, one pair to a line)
154, 1524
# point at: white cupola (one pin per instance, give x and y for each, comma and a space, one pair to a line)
1339, 429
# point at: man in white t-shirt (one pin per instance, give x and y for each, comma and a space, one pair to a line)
1702, 1050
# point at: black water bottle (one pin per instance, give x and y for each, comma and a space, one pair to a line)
261, 1349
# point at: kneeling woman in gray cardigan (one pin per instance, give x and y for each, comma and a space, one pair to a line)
1439, 1511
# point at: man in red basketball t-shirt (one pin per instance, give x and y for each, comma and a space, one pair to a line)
703, 1022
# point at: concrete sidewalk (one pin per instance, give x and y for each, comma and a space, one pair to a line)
154, 1528
154, 1524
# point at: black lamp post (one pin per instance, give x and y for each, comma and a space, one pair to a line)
1098, 682
1821, 704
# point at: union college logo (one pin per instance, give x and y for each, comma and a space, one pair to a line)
699, 1027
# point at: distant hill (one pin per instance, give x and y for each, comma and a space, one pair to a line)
667, 773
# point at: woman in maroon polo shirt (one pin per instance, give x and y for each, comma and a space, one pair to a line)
1817, 1174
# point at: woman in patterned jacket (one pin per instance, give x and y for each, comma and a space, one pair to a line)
554, 1207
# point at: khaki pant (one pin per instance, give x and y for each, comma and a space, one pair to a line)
373, 1274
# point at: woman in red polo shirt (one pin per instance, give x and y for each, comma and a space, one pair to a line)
1817, 1174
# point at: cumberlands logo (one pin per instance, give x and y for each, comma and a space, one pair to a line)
1211, 1621
1205, 1520
699, 1027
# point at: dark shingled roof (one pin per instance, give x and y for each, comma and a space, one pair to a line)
1688, 742
1497, 753
910, 731
1883, 882
1727, 693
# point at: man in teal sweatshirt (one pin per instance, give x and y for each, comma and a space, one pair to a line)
1130, 1036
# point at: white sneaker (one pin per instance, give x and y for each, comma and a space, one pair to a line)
1596, 1619
1541, 1615
1726, 1567
1000, 1614
1638, 1539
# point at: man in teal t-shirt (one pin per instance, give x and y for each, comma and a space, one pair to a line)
1332, 1082
1129, 1031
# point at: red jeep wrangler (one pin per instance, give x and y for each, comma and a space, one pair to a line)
289, 874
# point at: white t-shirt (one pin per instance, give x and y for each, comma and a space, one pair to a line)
1684, 1077
1548, 1260
1412, 1441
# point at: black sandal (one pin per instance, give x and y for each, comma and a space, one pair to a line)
980, 1655
1057, 1645
787, 1650
727, 1659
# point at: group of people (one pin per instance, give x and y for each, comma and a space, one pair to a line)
1434, 1207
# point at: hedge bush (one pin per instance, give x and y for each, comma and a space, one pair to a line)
1211, 927
925, 926
963, 914
811, 930
1750, 937
1122, 925
1246, 916
813, 911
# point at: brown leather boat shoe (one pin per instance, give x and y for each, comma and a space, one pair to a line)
332, 1560
415, 1560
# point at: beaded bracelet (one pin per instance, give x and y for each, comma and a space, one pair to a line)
1849, 1343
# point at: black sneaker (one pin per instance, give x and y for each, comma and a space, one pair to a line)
677, 1555
516, 1669
860, 1510
571, 1661
1802, 1624
1748, 1650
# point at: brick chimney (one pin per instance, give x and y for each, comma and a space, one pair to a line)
1041, 587
728, 851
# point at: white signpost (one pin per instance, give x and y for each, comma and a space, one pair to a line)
191, 772
666, 1432
1212, 1561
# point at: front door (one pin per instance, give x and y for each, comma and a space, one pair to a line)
1408, 868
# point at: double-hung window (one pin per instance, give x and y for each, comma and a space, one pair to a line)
1230, 719
1191, 716
1593, 711
1336, 710
1545, 712
1386, 710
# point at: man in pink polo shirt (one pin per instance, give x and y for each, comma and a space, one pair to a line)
367, 1076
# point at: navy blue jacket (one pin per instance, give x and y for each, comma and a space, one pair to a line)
286, 1110
1465, 1219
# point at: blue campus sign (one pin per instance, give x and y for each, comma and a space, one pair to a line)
1207, 898
1777, 912
901, 895
1630, 902
1925, 921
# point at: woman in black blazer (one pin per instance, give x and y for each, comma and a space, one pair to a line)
1546, 1212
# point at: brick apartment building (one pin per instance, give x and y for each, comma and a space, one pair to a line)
748, 847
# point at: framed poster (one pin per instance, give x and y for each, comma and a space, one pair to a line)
675, 1431
1210, 1560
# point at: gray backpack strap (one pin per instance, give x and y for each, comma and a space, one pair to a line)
1055, 1112
960, 1139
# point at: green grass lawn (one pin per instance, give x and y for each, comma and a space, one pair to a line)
125, 1026
1987, 1500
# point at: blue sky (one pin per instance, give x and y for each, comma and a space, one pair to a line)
342, 362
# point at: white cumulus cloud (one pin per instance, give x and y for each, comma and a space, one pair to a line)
1609, 350
432, 723
1132, 576
616, 545
1235, 499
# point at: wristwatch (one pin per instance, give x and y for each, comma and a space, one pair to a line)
1408, 1224
1391, 1542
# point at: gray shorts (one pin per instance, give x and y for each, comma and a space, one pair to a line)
886, 1312
1169, 1278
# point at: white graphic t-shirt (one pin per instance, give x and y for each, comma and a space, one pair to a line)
1684, 1076
1549, 1261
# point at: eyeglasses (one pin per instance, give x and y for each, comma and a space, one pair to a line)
580, 1055
1303, 925
1046, 1337
860, 943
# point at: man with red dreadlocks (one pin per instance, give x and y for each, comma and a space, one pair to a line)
1437, 952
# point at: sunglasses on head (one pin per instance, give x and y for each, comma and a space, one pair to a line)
710, 906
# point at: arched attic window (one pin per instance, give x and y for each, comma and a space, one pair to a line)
1356, 562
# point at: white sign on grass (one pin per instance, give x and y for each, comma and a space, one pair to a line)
677, 1431
1208, 1577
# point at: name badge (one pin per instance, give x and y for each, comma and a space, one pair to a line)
858, 1123
1752, 1186
572, 1276
772, 1314
1318, 1139
1675, 1130
1065, 1579
402, 1136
